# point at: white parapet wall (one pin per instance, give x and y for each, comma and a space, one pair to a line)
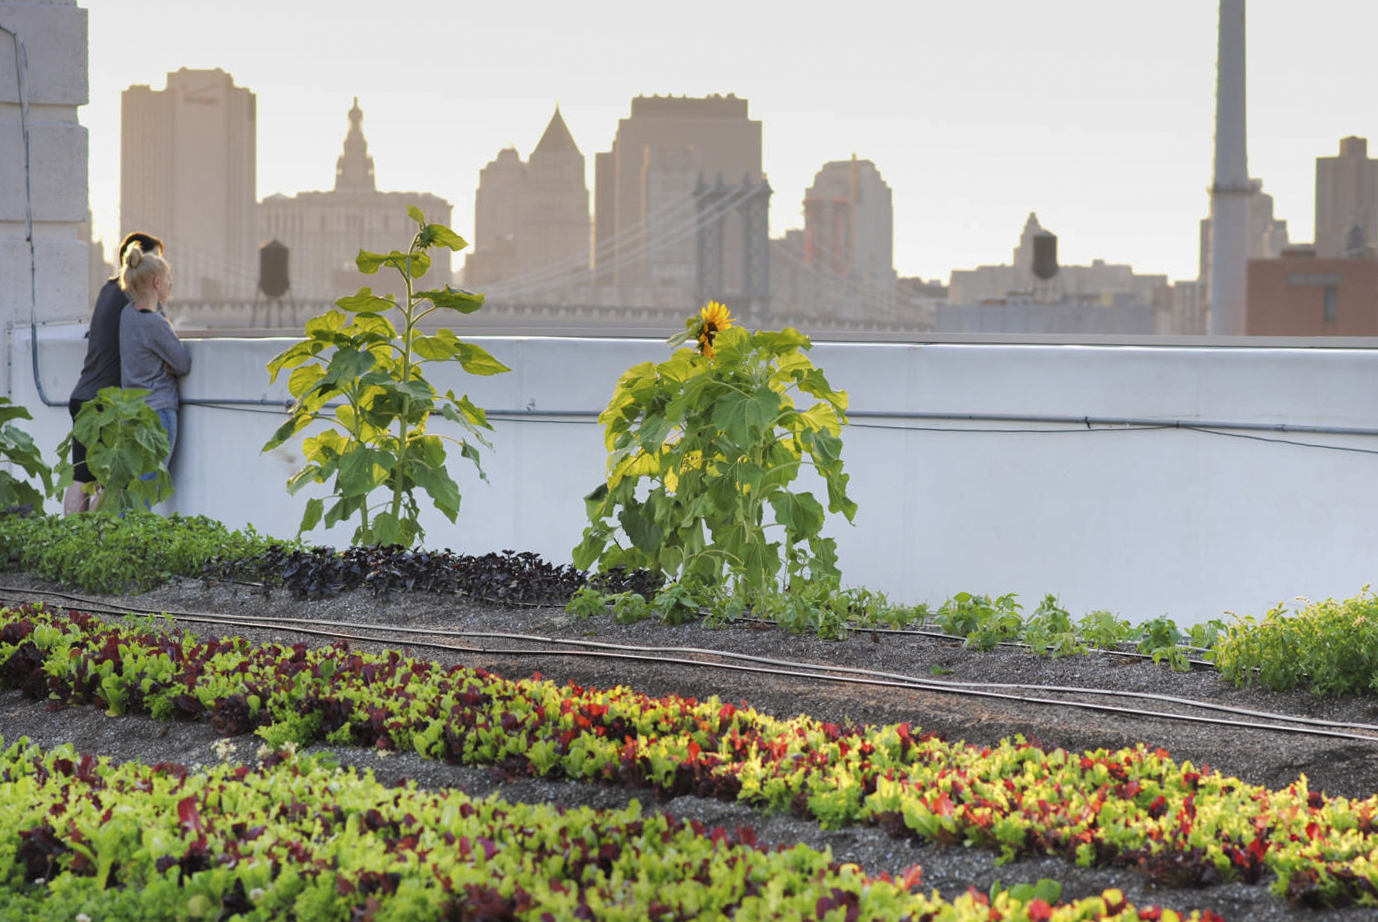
1141, 521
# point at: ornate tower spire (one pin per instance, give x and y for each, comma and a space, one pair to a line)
354, 169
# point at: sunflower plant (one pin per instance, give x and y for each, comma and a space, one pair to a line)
126, 451
361, 376
703, 451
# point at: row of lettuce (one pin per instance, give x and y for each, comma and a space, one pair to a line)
1130, 808
1327, 646
297, 839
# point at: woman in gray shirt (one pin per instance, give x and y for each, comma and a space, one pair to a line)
151, 355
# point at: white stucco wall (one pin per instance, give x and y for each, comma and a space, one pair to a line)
1141, 522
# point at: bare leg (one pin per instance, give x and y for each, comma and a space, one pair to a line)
75, 500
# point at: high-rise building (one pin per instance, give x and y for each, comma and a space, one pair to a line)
324, 231
1346, 198
849, 222
187, 174
645, 214
531, 220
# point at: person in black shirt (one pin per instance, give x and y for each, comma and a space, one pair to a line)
102, 365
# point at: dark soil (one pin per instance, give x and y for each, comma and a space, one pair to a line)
1259, 756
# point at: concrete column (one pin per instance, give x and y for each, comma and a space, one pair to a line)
1230, 191
53, 188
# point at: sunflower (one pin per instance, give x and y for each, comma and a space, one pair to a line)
713, 318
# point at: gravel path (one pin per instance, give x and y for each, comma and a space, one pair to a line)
1275, 759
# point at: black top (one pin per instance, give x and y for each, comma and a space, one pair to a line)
102, 365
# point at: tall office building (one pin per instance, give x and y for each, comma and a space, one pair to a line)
531, 220
645, 214
1346, 198
849, 222
324, 231
187, 174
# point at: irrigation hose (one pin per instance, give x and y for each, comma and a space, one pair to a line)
840, 674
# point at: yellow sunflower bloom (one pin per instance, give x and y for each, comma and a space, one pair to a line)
713, 318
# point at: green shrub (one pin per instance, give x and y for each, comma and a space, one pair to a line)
1330, 646
133, 552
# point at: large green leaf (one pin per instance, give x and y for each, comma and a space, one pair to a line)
419, 264
362, 469
312, 516
440, 235
435, 348
10, 411
800, 513
388, 529
477, 361
441, 487
653, 432
326, 324
366, 300
369, 263
304, 378
346, 365
644, 534
451, 298
746, 418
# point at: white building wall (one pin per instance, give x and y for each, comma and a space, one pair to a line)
1143, 522
54, 36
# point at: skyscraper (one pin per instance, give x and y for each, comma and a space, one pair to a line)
644, 213
1346, 198
187, 174
324, 231
531, 220
849, 222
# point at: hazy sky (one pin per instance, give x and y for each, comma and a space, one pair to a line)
1096, 114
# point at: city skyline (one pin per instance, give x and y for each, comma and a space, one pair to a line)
1099, 122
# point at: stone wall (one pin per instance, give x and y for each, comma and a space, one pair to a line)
53, 35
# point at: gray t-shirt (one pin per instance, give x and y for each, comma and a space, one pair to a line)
151, 356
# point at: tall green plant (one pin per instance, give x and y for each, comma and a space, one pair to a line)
125, 442
704, 448
17, 448
361, 377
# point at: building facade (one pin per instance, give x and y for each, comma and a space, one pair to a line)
1304, 294
1346, 198
841, 264
531, 220
849, 222
187, 174
324, 231
645, 216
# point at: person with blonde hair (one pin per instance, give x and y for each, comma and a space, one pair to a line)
152, 357
102, 365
